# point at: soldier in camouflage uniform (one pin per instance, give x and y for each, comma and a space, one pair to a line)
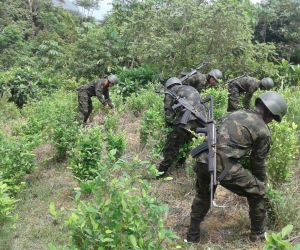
240, 133
180, 134
247, 85
99, 88
202, 81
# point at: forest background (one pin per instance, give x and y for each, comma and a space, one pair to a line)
64, 186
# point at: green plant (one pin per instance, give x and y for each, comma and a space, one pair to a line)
284, 146
86, 153
121, 213
111, 122
23, 84
6, 206
16, 160
117, 142
132, 80
276, 241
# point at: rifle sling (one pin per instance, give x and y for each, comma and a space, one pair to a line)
228, 165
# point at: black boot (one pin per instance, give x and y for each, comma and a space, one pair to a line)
257, 231
193, 234
181, 163
164, 170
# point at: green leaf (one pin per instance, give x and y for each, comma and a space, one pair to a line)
107, 240
133, 240
287, 230
141, 242
51, 246
52, 209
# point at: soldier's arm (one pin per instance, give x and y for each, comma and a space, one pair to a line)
258, 158
251, 89
248, 99
169, 112
100, 92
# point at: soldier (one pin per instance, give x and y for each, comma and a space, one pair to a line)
180, 133
202, 81
240, 133
247, 85
99, 88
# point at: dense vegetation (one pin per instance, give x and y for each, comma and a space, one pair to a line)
46, 52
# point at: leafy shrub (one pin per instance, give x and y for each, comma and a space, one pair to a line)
9, 111
143, 99
16, 160
284, 146
117, 142
64, 134
281, 206
121, 213
24, 84
111, 122
132, 80
86, 153
276, 241
6, 206
53, 118
220, 100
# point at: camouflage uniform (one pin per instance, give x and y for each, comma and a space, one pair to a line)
198, 81
239, 133
180, 134
246, 85
85, 92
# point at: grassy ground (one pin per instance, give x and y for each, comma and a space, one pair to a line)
228, 226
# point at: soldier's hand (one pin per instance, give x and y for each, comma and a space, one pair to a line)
106, 106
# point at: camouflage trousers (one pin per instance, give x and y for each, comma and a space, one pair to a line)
233, 98
85, 106
239, 181
178, 137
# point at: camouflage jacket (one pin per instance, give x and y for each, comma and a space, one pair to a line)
246, 85
97, 88
191, 95
198, 81
242, 133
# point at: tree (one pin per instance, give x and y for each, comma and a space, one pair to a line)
88, 6
181, 33
279, 23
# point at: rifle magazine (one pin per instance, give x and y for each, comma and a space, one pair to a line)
199, 149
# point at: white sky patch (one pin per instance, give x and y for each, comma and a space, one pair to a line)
105, 7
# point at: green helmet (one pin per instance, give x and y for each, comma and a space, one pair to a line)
172, 81
113, 79
217, 74
267, 82
275, 103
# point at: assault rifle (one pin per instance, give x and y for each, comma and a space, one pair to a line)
182, 102
211, 144
245, 75
186, 75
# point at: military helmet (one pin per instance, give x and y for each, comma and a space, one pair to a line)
172, 81
113, 79
267, 82
275, 103
217, 74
